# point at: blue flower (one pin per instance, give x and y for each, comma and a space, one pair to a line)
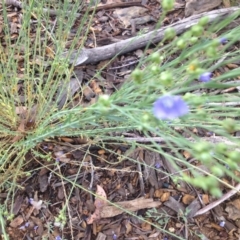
223, 40
222, 224
157, 165
205, 77
114, 237
169, 107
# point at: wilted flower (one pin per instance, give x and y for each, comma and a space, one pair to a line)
169, 107
205, 77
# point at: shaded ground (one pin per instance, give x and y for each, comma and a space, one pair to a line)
141, 187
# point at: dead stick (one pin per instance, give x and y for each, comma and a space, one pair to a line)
116, 5
219, 201
215, 140
87, 56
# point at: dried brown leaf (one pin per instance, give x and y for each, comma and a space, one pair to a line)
99, 204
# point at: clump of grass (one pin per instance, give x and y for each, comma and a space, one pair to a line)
33, 73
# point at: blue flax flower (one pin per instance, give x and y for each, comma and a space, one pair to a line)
223, 40
169, 107
205, 77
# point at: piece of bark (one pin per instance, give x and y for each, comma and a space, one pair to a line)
17, 221
193, 208
176, 206
43, 182
133, 205
14, 3
101, 236
199, 6
66, 91
94, 55
17, 204
174, 170
149, 172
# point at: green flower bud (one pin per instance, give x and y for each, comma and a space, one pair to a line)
199, 71
193, 40
156, 58
197, 100
155, 69
211, 52
221, 148
234, 156
170, 33
193, 66
229, 125
197, 30
232, 165
217, 171
167, 5
166, 78
10, 217
137, 75
145, 117
104, 100
202, 147
188, 96
205, 157
203, 21
187, 35
201, 113
181, 44
215, 43
5, 213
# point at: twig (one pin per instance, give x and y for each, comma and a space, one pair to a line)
116, 5
140, 178
223, 104
86, 56
219, 201
92, 174
66, 203
215, 140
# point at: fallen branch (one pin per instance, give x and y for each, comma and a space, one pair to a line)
87, 56
116, 5
214, 140
219, 201
14, 3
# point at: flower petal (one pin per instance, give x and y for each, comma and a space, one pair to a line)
205, 77
169, 107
